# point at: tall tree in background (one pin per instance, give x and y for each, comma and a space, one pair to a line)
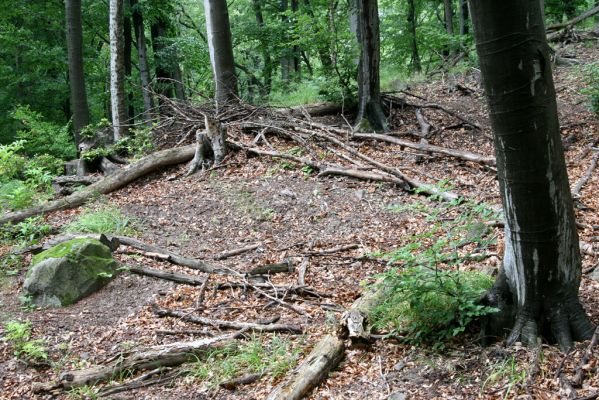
448, 12
76, 76
117, 70
366, 25
221, 50
415, 61
537, 288
128, 50
142, 57
168, 71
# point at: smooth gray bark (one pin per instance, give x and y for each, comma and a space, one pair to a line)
76, 76
537, 288
117, 70
221, 51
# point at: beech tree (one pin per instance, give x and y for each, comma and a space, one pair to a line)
76, 77
365, 22
221, 50
117, 70
537, 288
142, 57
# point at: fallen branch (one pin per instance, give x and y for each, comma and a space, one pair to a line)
461, 154
573, 21
232, 384
579, 377
236, 252
587, 175
109, 184
169, 276
315, 368
222, 324
332, 250
271, 269
140, 382
168, 355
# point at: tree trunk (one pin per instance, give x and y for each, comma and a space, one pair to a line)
369, 91
448, 12
76, 76
117, 70
142, 56
267, 70
128, 46
537, 288
415, 61
221, 51
164, 78
464, 30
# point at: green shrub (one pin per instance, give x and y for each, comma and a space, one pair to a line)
42, 137
27, 232
431, 306
11, 163
19, 334
16, 194
107, 219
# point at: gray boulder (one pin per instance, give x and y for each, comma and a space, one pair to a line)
69, 272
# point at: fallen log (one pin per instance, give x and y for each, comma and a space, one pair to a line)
587, 175
166, 275
461, 154
329, 352
227, 324
315, 368
109, 184
232, 384
271, 269
167, 355
75, 179
559, 26
236, 252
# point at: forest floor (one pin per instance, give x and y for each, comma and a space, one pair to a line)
294, 215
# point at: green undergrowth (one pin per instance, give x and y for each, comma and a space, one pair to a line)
106, 219
272, 356
432, 298
18, 334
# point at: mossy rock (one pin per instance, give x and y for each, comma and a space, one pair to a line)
68, 272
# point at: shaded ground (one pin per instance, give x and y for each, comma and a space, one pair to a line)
290, 214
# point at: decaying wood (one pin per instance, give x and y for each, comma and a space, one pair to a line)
75, 179
300, 290
425, 127
166, 275
236, 252
578, 378
109, 184
587, 175
211, 145
271, 269
313, 110
322, 359
145, 380
354, 323
168, 355
460, 154
232, 384
559, 26
222, 324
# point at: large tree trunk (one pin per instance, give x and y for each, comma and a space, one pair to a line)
221, 50
117, 70
464, 30
537, 289
142, 57
415, 61
76, 76
369, 90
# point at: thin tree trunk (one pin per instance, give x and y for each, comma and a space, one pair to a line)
323, 48
221, 50
163, 77
117, 70
128, 46
464, 30
448, 12
537, 288
267, 70
76, 75
369, 91
142, 56
415, 61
